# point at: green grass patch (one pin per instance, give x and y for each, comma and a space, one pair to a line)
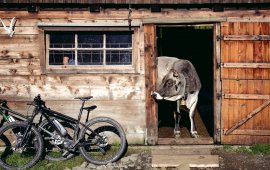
58, 165
260, 149
253, 149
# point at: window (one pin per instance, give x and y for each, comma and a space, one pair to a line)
91, 48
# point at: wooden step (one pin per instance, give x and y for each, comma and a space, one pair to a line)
185, 158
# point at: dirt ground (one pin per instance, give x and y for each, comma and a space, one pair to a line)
236, 161
233, 161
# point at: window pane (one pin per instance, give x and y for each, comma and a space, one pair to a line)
90, 40
90, 57
62, 40
117, 57
119, 40
57, 57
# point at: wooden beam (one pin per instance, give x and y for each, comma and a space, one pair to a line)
183, 20
185, 141
150, 81
42, 54
245, 65
246, 37
250, 132
89, 24
246, 96
217, 84
249, 116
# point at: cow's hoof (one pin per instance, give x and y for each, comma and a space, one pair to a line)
195, 135
177, 134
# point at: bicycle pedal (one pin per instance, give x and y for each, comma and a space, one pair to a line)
65, 153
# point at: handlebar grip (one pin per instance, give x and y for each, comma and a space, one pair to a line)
3, 101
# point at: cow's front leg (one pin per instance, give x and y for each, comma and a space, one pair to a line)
193, 131
177, 118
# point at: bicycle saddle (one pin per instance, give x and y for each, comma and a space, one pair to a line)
90, 108
84, 98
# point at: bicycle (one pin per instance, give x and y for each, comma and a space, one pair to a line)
9, 115
100, 140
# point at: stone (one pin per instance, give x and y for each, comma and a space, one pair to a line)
84, 164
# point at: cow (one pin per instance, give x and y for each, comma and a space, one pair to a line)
178, 81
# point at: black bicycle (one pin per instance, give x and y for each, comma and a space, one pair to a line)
100, 140
9, 115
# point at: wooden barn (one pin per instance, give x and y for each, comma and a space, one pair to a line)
62, 49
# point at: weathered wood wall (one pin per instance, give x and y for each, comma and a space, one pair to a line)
121, 96
135, 2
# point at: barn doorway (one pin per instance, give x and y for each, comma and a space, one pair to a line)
194, 43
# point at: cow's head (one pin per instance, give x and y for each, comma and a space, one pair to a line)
172, 86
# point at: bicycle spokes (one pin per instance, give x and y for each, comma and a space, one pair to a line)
104, 143
15, 153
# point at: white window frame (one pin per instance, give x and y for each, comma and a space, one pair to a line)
84, 69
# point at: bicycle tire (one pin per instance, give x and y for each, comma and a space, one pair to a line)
107, 128
31, 152
50, 145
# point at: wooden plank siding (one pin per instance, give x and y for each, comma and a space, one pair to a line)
117, 95
245, 82
135, 2
126, 96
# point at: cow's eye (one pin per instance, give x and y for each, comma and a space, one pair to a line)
169, 83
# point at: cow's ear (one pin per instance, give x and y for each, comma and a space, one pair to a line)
175, 73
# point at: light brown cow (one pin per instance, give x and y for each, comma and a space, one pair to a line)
178, 81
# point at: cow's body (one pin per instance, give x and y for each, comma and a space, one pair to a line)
177, 81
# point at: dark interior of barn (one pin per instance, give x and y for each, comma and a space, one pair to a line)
194, 43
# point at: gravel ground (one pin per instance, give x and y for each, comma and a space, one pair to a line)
227, 161
140, 161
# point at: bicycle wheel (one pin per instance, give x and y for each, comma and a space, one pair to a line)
14, 157
53, 144
105, 144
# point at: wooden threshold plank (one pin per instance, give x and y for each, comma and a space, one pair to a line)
182, 151
203, 161
185, 141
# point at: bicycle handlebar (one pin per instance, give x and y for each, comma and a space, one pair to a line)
38, 101
3, 102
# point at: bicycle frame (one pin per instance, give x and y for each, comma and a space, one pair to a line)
5, 111
48, 113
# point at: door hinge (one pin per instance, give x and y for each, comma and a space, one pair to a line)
219, 37
218, 65
219, 95
218, 131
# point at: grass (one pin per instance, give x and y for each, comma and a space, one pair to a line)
263, 149
58, 165
78, 160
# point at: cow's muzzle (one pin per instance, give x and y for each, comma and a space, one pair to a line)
156, 95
